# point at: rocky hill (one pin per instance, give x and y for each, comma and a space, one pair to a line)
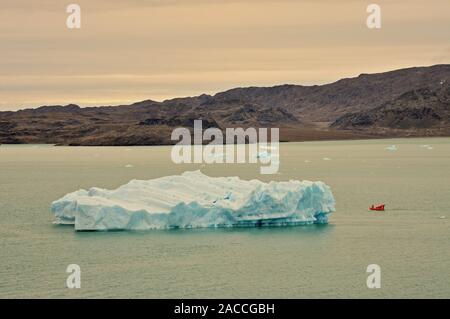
419, 112
406, 102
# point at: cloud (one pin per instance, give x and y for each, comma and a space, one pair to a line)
130, 49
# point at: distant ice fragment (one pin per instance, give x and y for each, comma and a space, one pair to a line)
194, 200
265, 154
327, 159
391, 148
128, 166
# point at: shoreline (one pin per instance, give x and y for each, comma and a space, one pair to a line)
281, 142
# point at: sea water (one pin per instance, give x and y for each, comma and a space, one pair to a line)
410, 241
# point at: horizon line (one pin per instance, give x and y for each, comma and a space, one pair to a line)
219, 91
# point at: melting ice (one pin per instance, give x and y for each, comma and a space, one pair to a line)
193, 200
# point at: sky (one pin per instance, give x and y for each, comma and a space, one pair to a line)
133, 50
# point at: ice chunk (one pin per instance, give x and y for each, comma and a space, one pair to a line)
391, 148
195, 200
265, 154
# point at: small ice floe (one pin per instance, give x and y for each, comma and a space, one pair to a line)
327, 159
128, 166
307, 161
442, 217
391, 148
265, 154
426, 146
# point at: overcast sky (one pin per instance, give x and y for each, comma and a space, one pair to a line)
131, 50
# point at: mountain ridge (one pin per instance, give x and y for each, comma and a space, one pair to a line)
329, 111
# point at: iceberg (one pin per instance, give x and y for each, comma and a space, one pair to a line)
195, 200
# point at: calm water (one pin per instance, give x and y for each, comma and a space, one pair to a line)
409, 241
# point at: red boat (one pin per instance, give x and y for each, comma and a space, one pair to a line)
377, 208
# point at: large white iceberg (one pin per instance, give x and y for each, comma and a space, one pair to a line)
194, 200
